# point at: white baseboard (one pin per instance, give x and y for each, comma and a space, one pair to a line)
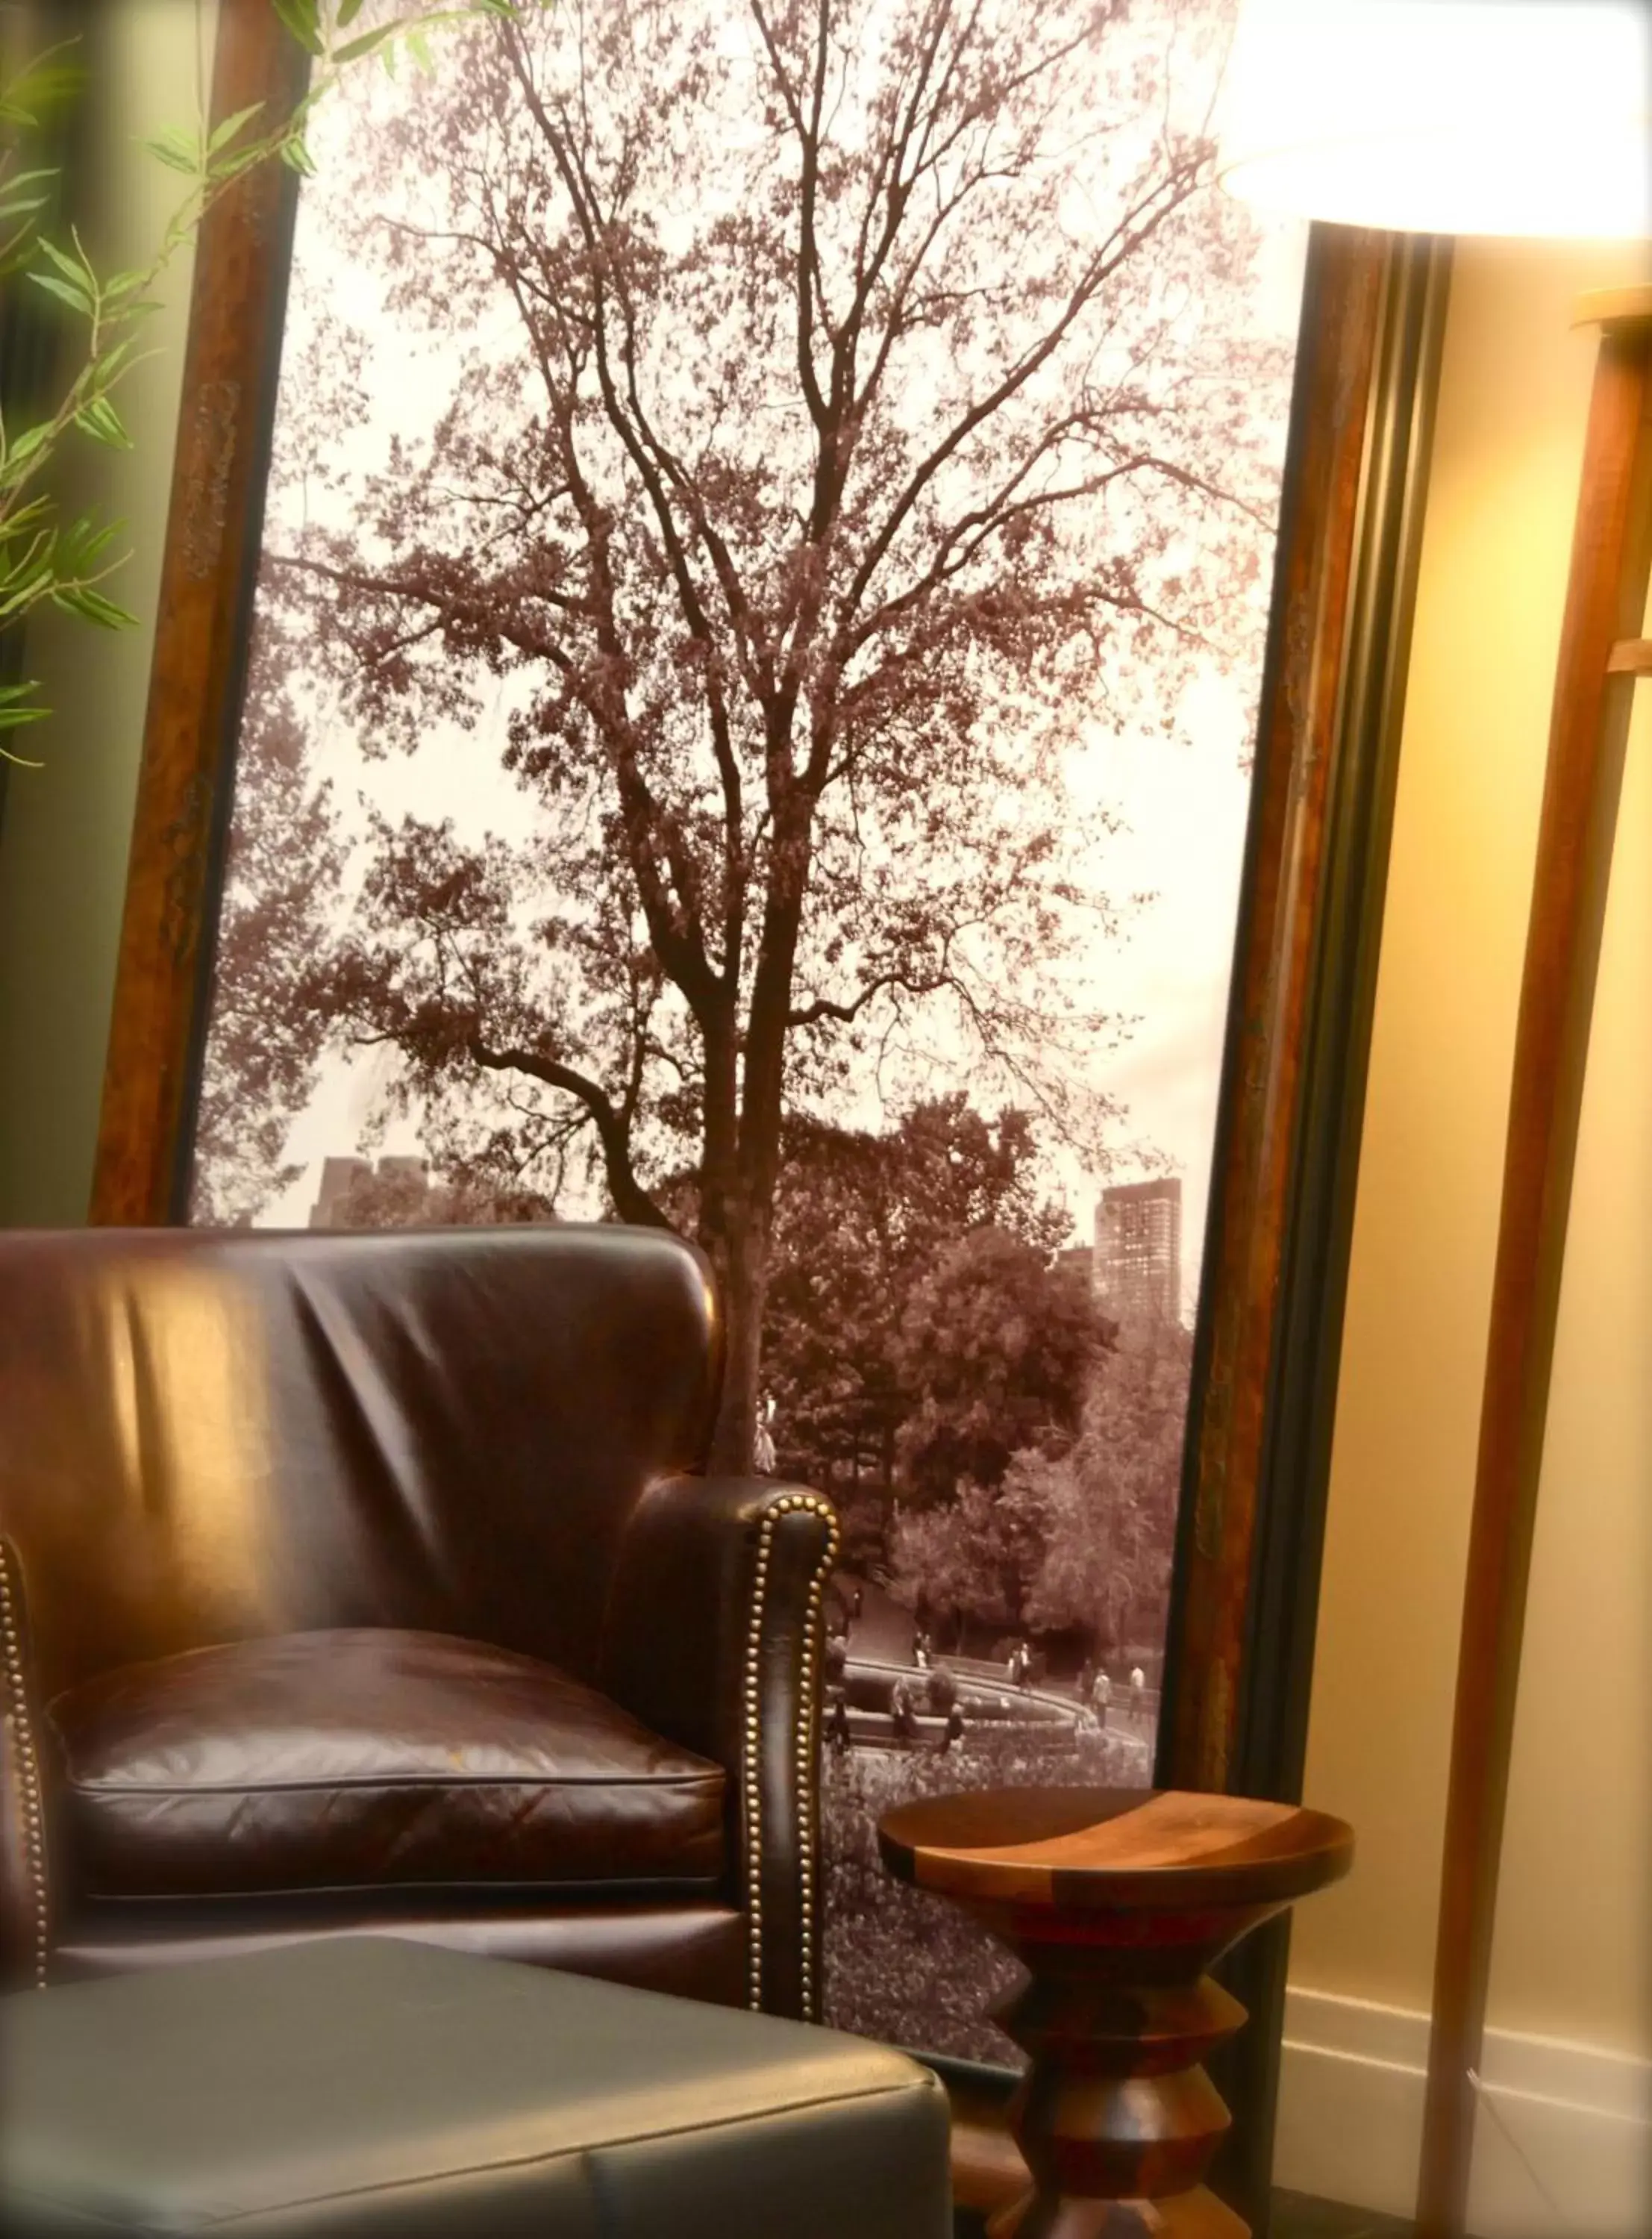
1562, 2147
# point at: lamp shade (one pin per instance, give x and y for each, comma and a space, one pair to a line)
1489, 116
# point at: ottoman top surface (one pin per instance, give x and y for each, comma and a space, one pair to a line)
1110, 1849
240, 2089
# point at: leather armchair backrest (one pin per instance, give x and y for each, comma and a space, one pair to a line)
215, 1435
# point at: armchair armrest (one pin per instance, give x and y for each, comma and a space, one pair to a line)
24, 1919
713, 1638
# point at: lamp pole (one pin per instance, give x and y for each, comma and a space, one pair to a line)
1601, 652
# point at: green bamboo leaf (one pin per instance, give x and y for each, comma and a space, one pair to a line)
303, 19
36, 561
178, 149
76, 298
40, 87
99, 420
231, 166
84, 543
26, 596
185, 139
173, 159
25, 446
12, 718
24, 585
296, 156
24, 521
224, 133
107, 369
92, 607
74, 268
347, 12
367, 43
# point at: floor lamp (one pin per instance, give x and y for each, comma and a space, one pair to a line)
1357, 110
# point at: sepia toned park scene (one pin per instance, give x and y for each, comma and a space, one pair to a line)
759, 628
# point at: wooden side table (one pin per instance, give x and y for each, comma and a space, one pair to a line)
1116, 1900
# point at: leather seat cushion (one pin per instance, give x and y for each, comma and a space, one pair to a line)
365, 2087
373, 1759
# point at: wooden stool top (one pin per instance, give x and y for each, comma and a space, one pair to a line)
1113, 1849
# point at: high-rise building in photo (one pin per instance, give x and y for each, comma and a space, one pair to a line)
340, 1176
1138, 1250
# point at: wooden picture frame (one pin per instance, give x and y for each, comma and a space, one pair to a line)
186, 777
1265, 1348
1256, 1465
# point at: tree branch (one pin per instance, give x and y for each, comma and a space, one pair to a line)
807, 263
823, 1007
631, 1201
1122, 243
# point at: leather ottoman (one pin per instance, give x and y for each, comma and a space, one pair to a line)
370, 2089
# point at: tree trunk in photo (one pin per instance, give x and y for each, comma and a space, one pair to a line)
742, 1280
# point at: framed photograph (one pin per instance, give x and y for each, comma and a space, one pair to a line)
782, 620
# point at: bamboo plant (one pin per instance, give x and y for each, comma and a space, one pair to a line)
46, 559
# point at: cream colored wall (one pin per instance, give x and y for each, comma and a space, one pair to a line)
64, 837
1573, 1944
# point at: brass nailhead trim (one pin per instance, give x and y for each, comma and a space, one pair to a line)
28, 1763
789, 1503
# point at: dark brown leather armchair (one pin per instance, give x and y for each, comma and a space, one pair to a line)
358, 1581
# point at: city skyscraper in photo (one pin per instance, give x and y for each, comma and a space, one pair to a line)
1138, 1250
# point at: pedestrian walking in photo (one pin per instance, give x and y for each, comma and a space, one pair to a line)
763, 1444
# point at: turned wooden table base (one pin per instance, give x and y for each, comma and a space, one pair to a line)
1116, 1902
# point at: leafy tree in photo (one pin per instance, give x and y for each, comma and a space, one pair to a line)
860, 1220
847, 417
1102, 1515
281, 878
969, 1557
996, 1350
993, 1351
